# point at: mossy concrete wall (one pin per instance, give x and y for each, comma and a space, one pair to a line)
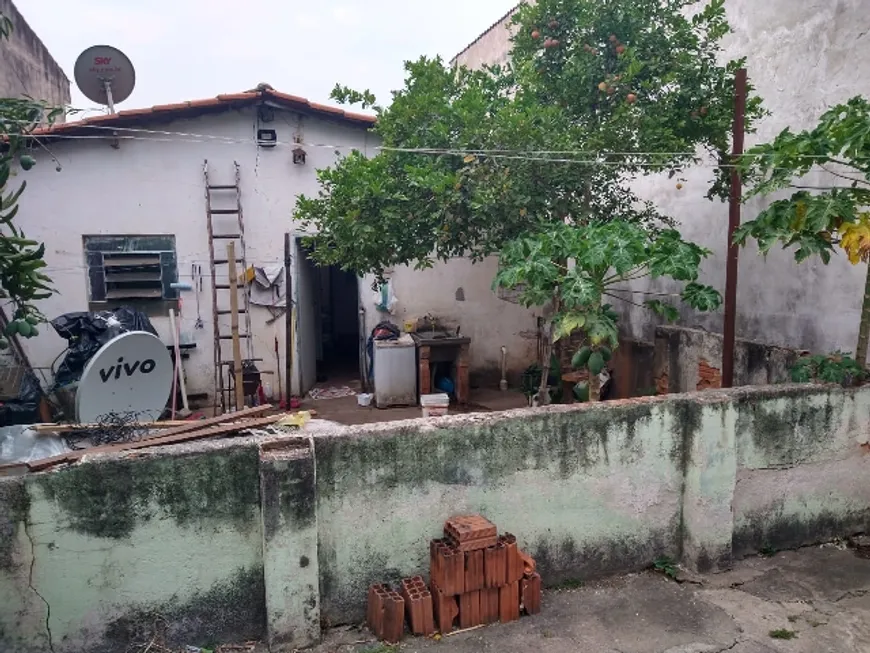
270, 536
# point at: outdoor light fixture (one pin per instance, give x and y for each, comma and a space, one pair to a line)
299, 156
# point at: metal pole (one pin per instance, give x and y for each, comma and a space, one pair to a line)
110, 101
288, 322
734, 202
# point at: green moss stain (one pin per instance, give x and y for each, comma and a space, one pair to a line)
108, 499
232, 610
14, 513
288, 494
791, 426
479, 453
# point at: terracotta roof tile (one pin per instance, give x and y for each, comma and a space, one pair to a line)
226, 100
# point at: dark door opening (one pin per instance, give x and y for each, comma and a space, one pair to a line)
337, 326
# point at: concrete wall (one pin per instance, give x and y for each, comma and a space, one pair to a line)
492, 47
686, 360
802, 57
28, 68
270, 535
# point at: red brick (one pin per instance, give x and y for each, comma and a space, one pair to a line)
418, 606
448, 568
531, 593
469, 609
514, 563
394, 618
375, 613
509, 602
469, 527
495, 565
529, 566
445, 609
474, 545
489, 605
474, 571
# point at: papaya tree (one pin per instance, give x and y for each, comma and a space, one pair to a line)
21, 260
473, 163
816, 221
583, 268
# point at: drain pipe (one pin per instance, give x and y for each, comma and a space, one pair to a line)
502, 385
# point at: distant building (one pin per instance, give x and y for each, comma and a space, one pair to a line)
28, 68
802, 58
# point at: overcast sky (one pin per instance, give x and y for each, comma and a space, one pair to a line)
189, 49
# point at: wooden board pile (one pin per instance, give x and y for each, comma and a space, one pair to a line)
476, 577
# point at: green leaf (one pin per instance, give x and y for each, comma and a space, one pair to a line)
701, 298
670, 313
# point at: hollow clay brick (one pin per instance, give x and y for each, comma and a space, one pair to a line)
529, 565
514, 562
447, 568
418, 606
495, 565
474, 571
489, 605
375, 611
394, 618
469, 527
531, 593
509, 602
445, 609
469, 609
474, 545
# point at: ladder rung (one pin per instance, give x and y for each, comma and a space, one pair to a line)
231, 187
223, 211
226, 286
241, 311
226, 236
255, 360
221, 261
241, 335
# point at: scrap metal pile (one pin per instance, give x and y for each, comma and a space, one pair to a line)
476, 577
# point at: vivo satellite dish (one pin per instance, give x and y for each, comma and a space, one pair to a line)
129, 375
105, 75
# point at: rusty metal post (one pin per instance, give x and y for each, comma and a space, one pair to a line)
734, 201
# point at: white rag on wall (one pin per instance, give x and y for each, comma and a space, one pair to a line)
268, 287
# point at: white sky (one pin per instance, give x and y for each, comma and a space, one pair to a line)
190, 49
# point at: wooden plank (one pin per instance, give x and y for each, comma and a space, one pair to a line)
54, 427
180, 430
158, 441
234, 326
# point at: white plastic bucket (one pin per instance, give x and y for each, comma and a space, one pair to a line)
435, 405
364, 399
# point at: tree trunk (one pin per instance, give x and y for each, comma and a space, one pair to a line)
864, 327
594, 387
543, 396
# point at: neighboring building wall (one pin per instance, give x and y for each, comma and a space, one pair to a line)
802, 58
490, 48
687, 360
271, 535
28, 68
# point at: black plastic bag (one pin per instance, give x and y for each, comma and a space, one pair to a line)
87, 332
24, 409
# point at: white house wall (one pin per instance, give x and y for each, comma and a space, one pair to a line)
155, 185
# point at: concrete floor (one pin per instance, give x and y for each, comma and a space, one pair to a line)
346, 411
820, 595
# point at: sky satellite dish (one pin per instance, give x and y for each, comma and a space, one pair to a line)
105, 75
130, 375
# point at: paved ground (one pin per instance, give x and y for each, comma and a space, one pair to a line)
346, 411
820, 596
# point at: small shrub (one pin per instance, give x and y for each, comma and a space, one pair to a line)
834, 368
782, 633
666, 566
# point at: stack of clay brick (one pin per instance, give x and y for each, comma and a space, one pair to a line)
476, 577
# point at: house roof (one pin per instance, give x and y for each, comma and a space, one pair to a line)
194, 108
510, 12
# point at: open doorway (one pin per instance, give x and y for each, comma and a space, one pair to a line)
328, 338
338, 362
